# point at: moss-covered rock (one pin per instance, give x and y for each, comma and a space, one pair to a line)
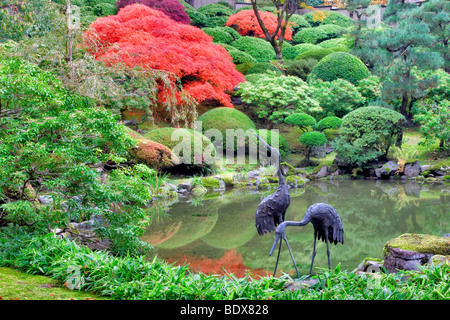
210, 183
410, 250
295, 181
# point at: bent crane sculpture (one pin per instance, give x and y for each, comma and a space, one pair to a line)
272, 209
327, 227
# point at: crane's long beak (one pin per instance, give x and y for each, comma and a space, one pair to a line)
277, 237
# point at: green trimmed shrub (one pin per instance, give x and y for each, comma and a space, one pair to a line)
304, 47
319, 52
263, 67
300, 68
336, 42
223, 118
271, 136
239, 56
225, 35
301, 120
217, 14
312, 139
219, 35
331, 122
298, 22
332, 17
198, 19
253, 77
340, 65
366, 134
318, 34
289, 51
244, 67
166, 137
258, 48
105, 9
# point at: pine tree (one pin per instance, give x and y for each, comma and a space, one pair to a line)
436, 14
394, 52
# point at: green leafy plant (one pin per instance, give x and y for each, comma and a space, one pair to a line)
271, 95
312, 139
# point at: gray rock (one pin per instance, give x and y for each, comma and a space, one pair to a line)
400, 259
253, 174
323, 172
45, 199
425, 167
412, 169
185, 186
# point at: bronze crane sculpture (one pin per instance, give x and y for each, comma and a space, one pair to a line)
272, 209
327, 227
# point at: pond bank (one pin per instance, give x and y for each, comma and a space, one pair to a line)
327, 170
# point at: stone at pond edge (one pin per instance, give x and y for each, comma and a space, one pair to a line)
410, 250
300, 284
412, 169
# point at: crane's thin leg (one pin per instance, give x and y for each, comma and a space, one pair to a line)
328, 250
314, 252
278, 257
295, 265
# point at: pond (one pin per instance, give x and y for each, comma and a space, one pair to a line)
217, 234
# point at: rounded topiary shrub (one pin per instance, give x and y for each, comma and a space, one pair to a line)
217, 14
239, 57
151, 153
304, 47
318, 34
263, 67
301, 120
219, 35
275, 139
298, 22
328, 17
300, 68
336, 42
312, 139
258, 48
319, 52
179, 140
289, 51
223, 119
340, 65
331, 122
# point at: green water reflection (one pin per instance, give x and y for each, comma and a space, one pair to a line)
219, 234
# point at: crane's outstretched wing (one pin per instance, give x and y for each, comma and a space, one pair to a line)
270, 213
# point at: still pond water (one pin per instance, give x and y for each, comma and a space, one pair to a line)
217, 234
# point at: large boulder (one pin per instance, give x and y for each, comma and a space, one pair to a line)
412, 169
410, 250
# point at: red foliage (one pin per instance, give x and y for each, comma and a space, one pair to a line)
141, 36
173, 8
246, 24
230, 262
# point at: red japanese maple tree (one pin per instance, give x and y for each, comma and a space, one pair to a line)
141, 36
246, 23
173, 8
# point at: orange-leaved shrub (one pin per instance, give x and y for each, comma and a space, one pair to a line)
141, 36
151, 153
246, 23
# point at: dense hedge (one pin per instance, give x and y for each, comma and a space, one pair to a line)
289, 51
263, 67
340, 65
258, 48
224, 35
216, 14
318, 34
239, 57
336, 42
225, 118
300, 68
298, 22
331, 17
319, 52
304, 47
